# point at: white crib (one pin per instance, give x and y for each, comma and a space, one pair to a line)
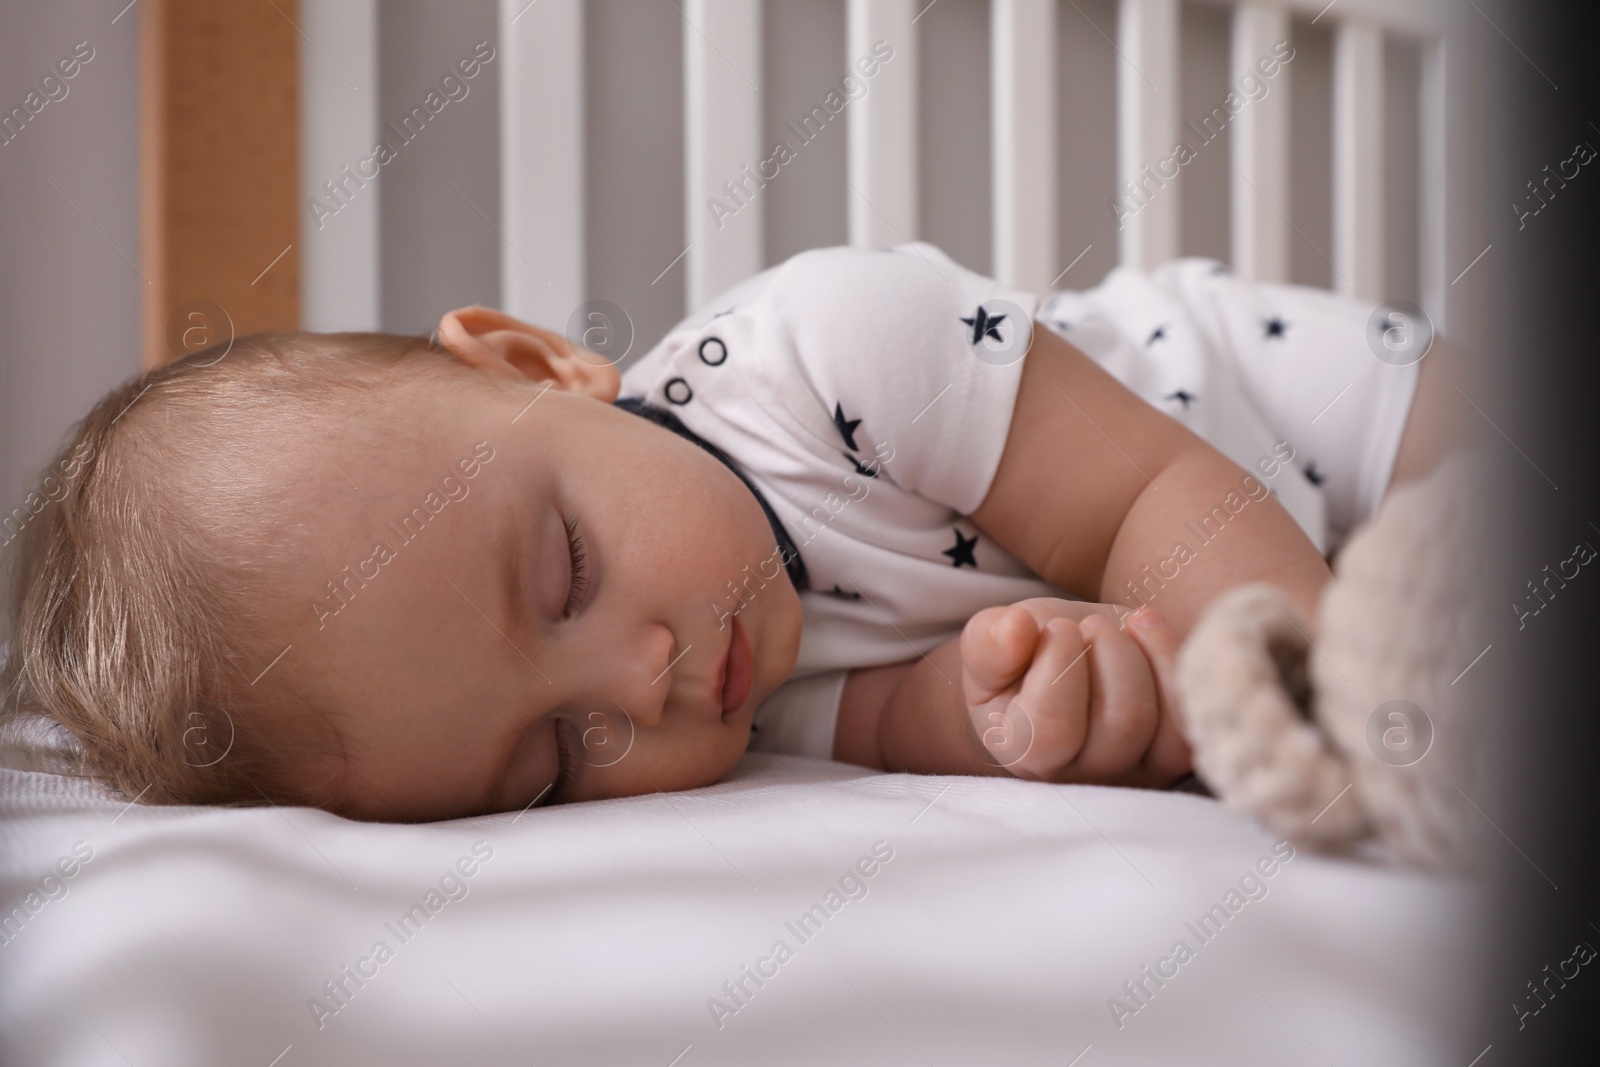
721, 41
545, 204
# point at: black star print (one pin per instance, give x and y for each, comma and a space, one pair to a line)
961, 552
1184, 396
844, 594
1274, 327
868, 471
847, 427
1157, 334
983, 324
1314, 476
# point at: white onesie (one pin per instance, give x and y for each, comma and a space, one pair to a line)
868, 395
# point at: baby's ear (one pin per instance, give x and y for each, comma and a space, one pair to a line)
506, 347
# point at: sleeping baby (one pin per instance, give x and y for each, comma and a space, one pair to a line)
867, 505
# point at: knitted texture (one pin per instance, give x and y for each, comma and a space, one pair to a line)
1336, 762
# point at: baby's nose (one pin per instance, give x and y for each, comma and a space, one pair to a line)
641, 676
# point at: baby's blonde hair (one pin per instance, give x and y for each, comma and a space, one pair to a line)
141, 579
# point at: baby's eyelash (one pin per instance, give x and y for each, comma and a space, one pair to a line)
580, 577
563, 771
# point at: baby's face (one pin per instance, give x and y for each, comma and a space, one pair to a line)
463, 666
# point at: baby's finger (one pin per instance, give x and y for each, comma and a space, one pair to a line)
996, 647
1123, 707
1054, 699
1169, 756
1045, 608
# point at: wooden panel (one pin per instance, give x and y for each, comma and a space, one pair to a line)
1358, 161
722, 140
1023, 45
1147, 130
883, 125
1260, 181
219, 162
542, 203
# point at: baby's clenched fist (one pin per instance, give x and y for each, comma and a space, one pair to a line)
1058, 691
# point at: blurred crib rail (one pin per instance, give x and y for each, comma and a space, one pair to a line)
547, 198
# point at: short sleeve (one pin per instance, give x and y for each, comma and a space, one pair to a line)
901, 360
798, 719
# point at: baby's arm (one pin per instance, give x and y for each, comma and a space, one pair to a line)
1046, 689
1095, 491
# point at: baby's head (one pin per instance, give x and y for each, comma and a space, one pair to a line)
394, 578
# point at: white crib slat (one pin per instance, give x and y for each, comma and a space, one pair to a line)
1147, 130
883, 125
1023, 49
1442, 195
542, 205
1358, 161
1260, 182
339, 275
722, 134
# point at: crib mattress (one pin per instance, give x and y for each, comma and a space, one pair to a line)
799, 912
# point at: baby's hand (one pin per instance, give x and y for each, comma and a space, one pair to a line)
1059, 692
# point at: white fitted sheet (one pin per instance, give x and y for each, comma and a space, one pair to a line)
598, 933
